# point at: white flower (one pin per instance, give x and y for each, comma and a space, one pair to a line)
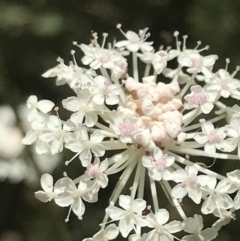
234, 176
234, 141
58, 71
96, 171
200, 97
130, 216
225, 84
104, 90
56, 134
211, 137
225, 217
135, 42
190, 184
37, 107
124, 127
198, 63
158, 164
83, 106
97, 57
38, 126
47, 185
83, 146
159, 61
109, 233
217, 196
162, 231
69, 194
195, 226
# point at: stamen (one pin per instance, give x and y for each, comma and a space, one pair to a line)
74, 59
198, 44
67, 162
235, 72
105, 35
227, 62
119, 26
69, 212
184, 41
175, 34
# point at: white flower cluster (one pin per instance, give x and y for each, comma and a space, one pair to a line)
156, 129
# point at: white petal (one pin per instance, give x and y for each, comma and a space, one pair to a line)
42, 196
125, 227
224, 201
207, 107
180, 175
45, 105
96, 137
102, 180
209, 234
195, 194
210, 148
201, 138
47, 182
104, 165
147, 162
207, 127
71, 103
125, 201
179, 191
78, 207
155, 174
138, 205
41, 147
121, 44
167, 175
234, 176
157, 153
64, 199
30, 137
111, 231
174, 227
115, 213
57, 146
237, 201
91, 119
98, 150
162, 216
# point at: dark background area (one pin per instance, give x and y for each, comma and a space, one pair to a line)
33, 33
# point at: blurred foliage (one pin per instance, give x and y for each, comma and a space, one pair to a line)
33, 33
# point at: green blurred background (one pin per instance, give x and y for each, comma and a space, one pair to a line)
33, 33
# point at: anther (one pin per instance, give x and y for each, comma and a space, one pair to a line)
119, 25
175, 34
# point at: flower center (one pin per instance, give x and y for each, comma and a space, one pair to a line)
92, 170
159, 228
126, 128
197, 63
134, 38
224, 83
105, 58
129, 214
213, 137
198, 98
161, 163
